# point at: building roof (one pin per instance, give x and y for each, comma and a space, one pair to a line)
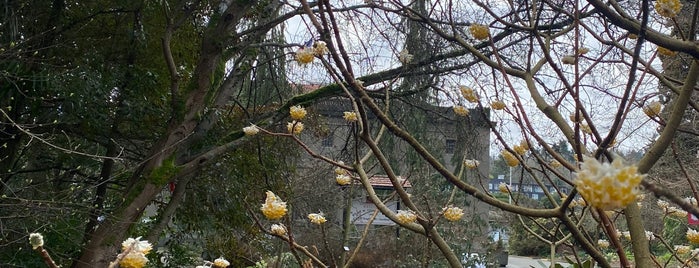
383, 182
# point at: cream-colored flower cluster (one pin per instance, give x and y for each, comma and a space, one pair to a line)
36, 240
405, 57
251, 130
503, 188
510, 159
479, 31
555, 164
406, 216
342, 176
693, 236
297, 113
350, 116
608, 186
603, 243
294, 127
452, 213
668, 8
666, 52
221, 263
585, 128
273, 208
521, 148
278, 229
343, 179
652, 109
136, 251
671, 210
460, 110
320, 48
682, 249
317, 218
469, 94
497, 105
304, 56
471, 163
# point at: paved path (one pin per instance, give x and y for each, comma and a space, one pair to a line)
526, 262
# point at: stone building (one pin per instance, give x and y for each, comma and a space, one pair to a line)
448, 137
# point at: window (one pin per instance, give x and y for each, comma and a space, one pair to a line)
449, 146
535, 196
490, 186
538, 189
527, 188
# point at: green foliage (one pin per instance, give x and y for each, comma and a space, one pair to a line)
523, 243
585, 264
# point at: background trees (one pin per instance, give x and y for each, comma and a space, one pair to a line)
107, 107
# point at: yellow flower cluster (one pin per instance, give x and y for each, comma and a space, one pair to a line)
273, 208
460, 110
693, 236
668, 8
406, 216
471, 163
602, 243
608, 186
320, 48
278, 229
497, 105
469, 94
575, 119
136, 244
297, 112
221, 263
133, 261
555, 164
405, 57
666, 52
339, 170
479, 31
510, 159
652, 109
453, 213
251, 130
304, 56
294, 127
36, 240
585, 128
682, 249
317, 218
570, 60
350, 116
676, 212
343, 179
136, 251
521, 148
503, 188
578, 203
